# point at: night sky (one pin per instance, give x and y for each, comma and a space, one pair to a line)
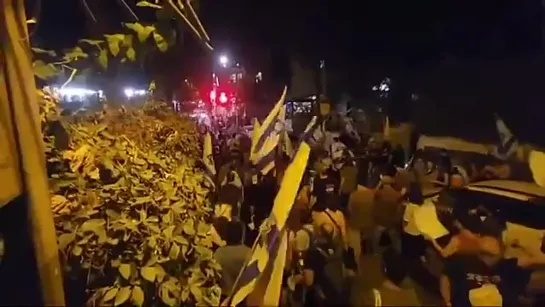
364, 41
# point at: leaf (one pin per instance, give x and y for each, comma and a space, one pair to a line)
65, 239
110, 294
142, 200
44, 71
168, 232
92, 225
196, 291
148, 4
174, 252
43, 51
189, 227
137, 297
131, 54
160, 41
114, 43
103, 58
92, 42
122, 296
77, 250
125, 270
148, 273
75, 54
143, 32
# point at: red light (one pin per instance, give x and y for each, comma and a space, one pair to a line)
223, 98
213, 95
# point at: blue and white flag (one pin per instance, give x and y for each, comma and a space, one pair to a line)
314, 133
267, 138
508, 146
263, 272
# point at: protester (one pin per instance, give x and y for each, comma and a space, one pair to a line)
387, 213
349, 179
232, 256
397, 289
324, 269
486, 278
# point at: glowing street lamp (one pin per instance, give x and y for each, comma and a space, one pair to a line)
224, 60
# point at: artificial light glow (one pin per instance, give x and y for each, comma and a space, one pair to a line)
129, 92
72, 91
213, 95
224, 60
223, 98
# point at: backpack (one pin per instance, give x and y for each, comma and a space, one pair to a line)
333, 281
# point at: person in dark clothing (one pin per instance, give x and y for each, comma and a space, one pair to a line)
445, 167
326, 188
324, 270
487, 278
398, 156
232, 256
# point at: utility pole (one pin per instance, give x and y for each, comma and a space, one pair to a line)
31, 270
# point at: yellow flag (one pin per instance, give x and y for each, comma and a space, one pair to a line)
386, 130
537, 166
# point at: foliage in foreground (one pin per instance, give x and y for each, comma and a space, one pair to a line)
131, 208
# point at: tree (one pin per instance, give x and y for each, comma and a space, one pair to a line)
116, 54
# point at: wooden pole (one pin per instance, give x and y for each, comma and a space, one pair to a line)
18, 88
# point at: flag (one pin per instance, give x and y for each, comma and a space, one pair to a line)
267, 138
287, 146
208, 157
314, 133
536, 160
269, 250
386, 129
508, 143
255, 131
268, 289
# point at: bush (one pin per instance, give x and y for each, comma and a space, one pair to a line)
131, 208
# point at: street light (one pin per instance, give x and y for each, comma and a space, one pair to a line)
224, 60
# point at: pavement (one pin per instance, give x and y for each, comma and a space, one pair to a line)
371, 276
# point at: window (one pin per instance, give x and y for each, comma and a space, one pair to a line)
526, 213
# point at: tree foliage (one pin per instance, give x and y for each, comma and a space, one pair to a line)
122, 46
131, 207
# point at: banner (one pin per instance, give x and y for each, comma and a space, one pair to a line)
474, 159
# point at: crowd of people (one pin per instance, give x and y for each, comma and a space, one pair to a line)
355, 199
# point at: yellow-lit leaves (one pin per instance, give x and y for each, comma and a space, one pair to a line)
148, 4
114, 43
44, 71
43, 51
103, 58
135, 207
92, 42
149, 273
122, 295
160, 41
110, 295
137, 297
142, 32
74, 54
125, 270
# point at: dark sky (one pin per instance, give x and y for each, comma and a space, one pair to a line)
489, 41
348, 34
